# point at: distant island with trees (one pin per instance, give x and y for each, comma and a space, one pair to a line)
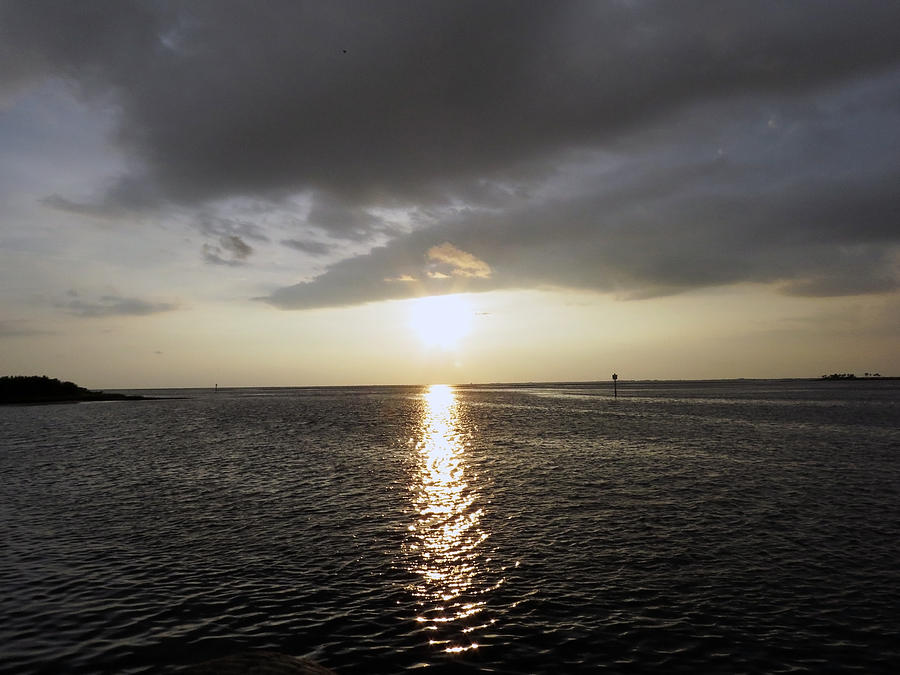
36, 389
851, 376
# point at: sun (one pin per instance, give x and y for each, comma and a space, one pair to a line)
441, 321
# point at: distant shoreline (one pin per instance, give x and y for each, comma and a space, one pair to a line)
99, 398
513, 385
42, 390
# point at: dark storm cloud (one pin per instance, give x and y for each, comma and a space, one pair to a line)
223, 98
112, 305
732, 159
755, 201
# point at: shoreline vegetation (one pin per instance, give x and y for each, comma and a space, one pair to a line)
851, 376
39, 389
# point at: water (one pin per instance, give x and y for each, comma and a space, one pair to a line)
685, 527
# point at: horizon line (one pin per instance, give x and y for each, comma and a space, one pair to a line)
522, 383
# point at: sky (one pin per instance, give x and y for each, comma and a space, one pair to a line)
330, 193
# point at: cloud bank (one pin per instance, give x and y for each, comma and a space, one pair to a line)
638, 148
112, 305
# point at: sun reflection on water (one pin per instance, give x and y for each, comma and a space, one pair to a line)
446, 536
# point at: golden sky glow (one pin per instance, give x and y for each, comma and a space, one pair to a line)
513, 337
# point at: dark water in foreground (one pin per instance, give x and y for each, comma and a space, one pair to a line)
685, 527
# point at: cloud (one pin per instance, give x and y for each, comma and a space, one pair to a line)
426, 92
385, 273
342, 220
315, 248
786, 207
635, 148
236, 247
112, 305
231, 251
457, 263
225, 227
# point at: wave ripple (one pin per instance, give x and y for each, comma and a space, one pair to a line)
681, 528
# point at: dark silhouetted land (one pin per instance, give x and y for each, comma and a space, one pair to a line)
36, 389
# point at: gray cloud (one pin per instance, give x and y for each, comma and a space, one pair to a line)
684, 207
231, 250
426, 91
339, 219
315, 248
386, 273
112, 305
236, 246
224, 228
640, 148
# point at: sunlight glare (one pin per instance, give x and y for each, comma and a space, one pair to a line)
447, 535
441, 321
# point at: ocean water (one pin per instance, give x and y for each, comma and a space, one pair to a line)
743, 526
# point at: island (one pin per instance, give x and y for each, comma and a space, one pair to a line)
37, 389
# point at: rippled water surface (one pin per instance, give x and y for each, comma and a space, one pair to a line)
683, 527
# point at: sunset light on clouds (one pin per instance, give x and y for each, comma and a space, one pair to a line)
290, 193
